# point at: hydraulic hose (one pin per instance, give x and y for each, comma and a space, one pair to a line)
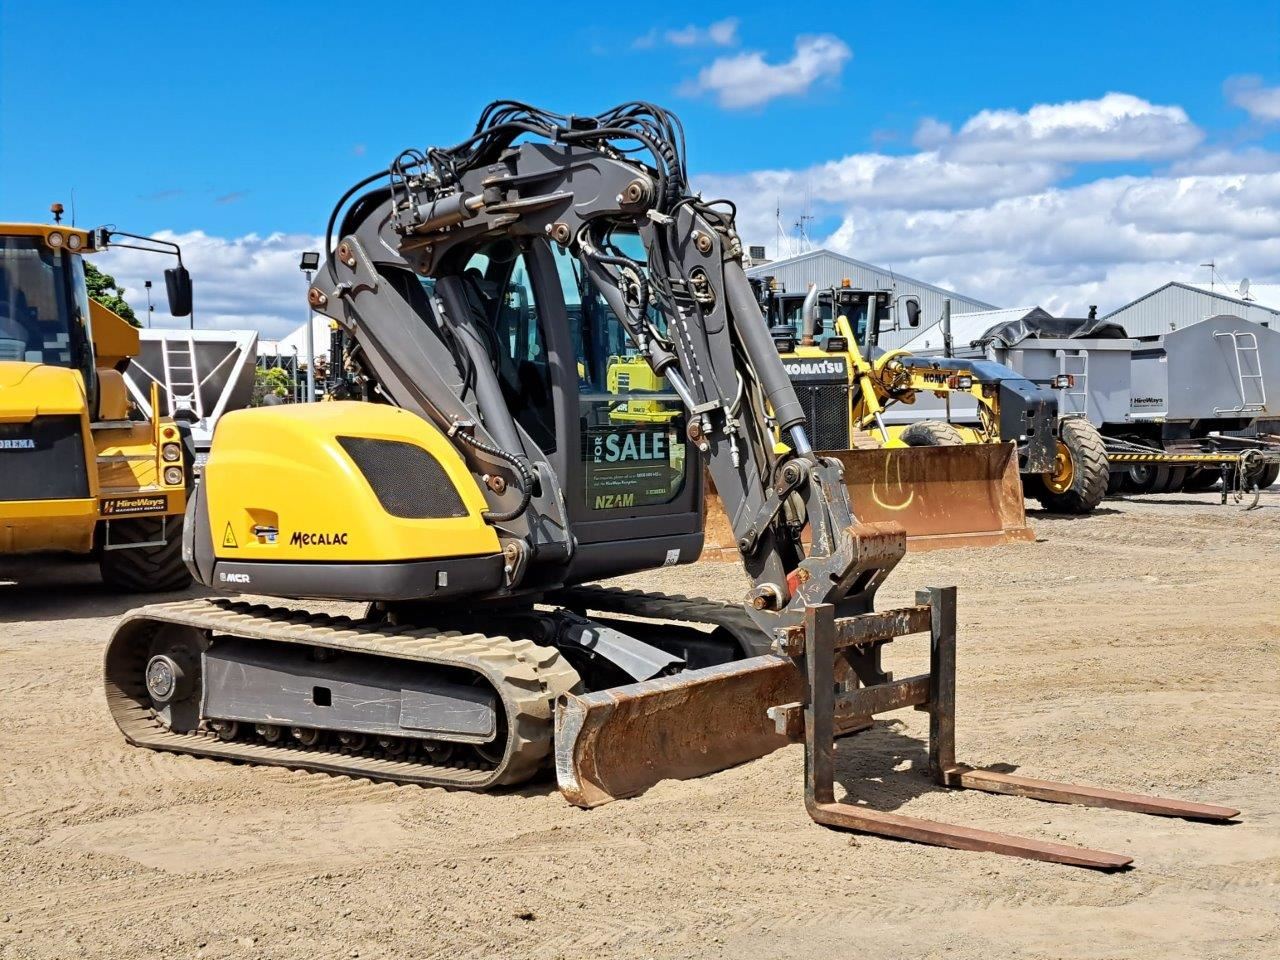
521, 466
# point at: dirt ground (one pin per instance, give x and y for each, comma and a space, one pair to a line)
1136, 648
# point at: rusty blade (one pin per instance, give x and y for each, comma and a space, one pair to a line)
616, 743
864, 820
965, 496
969, 496
993, 781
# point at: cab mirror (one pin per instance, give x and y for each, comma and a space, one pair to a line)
911, 306
177, 282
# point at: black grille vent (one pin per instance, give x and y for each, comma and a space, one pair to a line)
43, 459
827, 407
408, 481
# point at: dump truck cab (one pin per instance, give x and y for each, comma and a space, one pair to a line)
81, 471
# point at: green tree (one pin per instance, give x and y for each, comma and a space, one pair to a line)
104, 289
276, 381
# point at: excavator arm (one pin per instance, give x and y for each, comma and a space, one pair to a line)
527, 175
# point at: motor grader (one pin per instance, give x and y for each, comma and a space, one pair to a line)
1062, 461
480, 481
81, 471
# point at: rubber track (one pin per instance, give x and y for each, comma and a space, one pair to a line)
527, 677
665, 606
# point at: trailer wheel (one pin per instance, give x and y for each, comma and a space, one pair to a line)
1177, 480
1078, 481
157, 569
932, 433
1268, 475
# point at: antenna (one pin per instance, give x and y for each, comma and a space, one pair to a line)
73, 206
782, 233
1244, 288
801, 225
1212, 270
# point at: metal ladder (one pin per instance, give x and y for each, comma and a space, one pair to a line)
180, 376
1243, 343
1068, 396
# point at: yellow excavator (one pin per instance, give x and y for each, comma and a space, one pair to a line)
81, 471
482, 479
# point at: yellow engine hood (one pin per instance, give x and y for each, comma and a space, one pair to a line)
33, 389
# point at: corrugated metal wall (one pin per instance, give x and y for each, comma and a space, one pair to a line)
827, 269
1175, 306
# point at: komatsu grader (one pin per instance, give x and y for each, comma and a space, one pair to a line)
1062, 461
483, 479
82, 472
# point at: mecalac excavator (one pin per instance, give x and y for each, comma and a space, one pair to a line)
483, 477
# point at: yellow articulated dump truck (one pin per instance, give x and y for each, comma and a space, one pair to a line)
81, 470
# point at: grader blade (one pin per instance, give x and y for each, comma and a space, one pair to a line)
618, 742
967, 496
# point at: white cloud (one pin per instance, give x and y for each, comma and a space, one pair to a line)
250, 282
1013, 226
1248, 93
1011, 229
748, 80
1117, 126
721, 33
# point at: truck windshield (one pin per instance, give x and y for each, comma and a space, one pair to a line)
43, 319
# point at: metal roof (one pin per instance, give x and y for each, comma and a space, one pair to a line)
815, 257
1263, 294
1176, 305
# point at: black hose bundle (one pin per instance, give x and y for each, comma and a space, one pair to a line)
521, 465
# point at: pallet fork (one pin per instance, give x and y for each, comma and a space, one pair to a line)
825, 641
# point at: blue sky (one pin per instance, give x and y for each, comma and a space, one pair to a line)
896, 125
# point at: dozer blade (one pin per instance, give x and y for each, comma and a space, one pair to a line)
618, 742
968, 496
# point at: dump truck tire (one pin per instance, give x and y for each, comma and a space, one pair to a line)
1082, 483
157, 569
932, 433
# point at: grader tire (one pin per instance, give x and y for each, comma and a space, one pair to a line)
156, 569
932, 433
1081, 483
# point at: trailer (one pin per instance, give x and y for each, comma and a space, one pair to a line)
199, 374
1176, 411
